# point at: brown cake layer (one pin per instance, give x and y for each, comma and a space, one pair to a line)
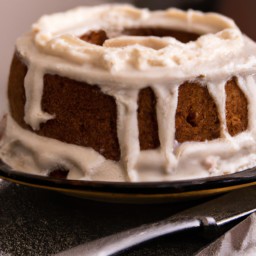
16, 92
58, 173
95, 37
147, 120
196, 116
85, 115
236, 108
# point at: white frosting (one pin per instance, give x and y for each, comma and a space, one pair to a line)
123, 66
58, 35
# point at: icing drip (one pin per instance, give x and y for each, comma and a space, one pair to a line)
218, 93
121, 68
34, 86
166, 110
128, 131
247, 85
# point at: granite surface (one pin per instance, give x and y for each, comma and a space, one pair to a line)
40, 222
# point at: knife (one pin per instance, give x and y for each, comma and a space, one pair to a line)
208, 217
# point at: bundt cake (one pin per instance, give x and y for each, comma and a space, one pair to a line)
116, 93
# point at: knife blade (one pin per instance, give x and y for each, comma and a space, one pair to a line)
209, 217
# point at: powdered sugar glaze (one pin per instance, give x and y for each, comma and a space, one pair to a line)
122, 67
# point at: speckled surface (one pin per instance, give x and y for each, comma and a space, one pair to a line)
39, 222
239, 241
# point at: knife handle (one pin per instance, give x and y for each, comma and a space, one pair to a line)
118, 242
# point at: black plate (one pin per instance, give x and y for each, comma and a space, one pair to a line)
142, 192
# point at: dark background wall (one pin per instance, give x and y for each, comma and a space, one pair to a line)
242, 11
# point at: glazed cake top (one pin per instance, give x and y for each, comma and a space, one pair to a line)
58, 35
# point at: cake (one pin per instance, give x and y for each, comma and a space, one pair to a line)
116, 93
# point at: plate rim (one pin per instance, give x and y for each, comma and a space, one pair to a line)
242, 178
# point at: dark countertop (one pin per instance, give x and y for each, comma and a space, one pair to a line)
40, 222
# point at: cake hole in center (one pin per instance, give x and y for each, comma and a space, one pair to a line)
181, 36
100, 36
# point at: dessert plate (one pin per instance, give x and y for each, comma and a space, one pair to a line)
124, 192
